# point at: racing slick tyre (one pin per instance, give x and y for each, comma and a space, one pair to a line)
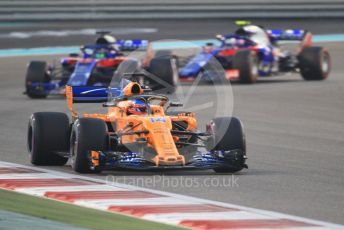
163, 54
229, 135
315, 63
36, 72
167, 54
87, 134
246, 62
48, 134
164, 73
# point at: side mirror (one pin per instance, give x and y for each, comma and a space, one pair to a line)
174, 104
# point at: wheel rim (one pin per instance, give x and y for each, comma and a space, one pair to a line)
254, 70
254, 67
74, 145
325, 65
175, 73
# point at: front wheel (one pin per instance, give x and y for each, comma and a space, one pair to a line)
314, 63
87, 134
36, 73
47, 135
229, 136
246, 61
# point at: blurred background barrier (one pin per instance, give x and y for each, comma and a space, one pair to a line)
38, 10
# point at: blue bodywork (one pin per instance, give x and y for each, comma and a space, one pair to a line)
82, 70
201, 160
234, 42
91, 94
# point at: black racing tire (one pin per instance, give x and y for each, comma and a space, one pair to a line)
87, 134
167, 54
36, 72
229, 135
48, 133
246, 61
164, 75
163, 54
314, 63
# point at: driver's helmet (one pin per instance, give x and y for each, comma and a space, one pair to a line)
137, 107
254, 33
248, 30
106, 40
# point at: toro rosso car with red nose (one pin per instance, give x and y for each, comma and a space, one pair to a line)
253, 52
95, 66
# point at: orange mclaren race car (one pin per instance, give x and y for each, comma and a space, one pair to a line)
137, 132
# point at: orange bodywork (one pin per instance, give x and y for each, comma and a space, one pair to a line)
154, 128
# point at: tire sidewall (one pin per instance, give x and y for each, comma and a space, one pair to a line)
246, 61
81, 143
44, 139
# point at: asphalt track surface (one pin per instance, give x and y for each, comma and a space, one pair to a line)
295, 138
166, 29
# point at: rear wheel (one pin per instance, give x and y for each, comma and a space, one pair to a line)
164, 74
36, 73
167, 54
48, 134
229, 135
315, 63
246, 62
87, 134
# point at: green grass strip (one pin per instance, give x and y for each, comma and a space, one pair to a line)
72, 214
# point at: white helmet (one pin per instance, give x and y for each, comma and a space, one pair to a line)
106, 40
248, 30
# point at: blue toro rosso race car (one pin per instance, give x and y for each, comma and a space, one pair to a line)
96, 67
137, 132
253, 51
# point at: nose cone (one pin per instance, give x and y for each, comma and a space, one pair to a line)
161, 139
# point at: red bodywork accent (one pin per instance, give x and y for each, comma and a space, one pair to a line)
188, 79
232, 74
229, 52
113, 62
72, 61
233, 51
307, 40
86, 61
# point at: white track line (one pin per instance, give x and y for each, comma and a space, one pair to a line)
42, 190
176, 218
130, 202
12, 176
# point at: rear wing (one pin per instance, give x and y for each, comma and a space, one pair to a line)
94, 94
98, 94
295, 35
131, 45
